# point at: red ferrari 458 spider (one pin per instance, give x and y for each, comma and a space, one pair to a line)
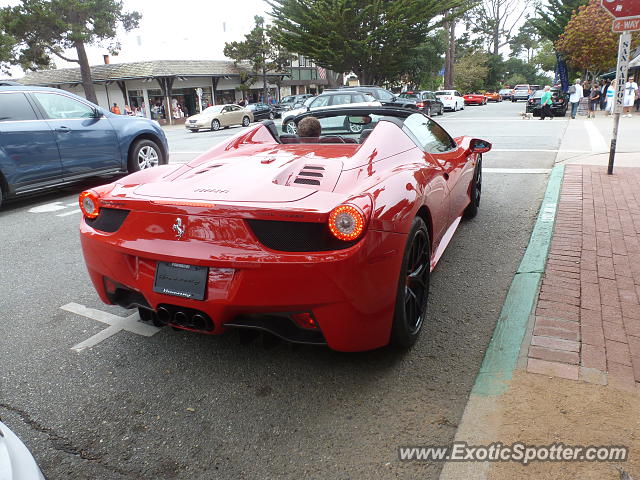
326, 240
475, 99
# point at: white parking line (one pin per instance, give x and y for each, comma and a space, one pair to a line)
47, 207
116, 324
77, 210
595, 137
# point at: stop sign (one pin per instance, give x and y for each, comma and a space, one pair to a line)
622, 8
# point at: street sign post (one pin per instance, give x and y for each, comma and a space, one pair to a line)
624, 52
626, 14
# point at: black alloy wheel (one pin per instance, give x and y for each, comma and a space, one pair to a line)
413, 287
476, 191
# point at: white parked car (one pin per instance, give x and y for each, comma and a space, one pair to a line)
452, 99
328, 100
16, 462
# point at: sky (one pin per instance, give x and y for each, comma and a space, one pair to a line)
176, 30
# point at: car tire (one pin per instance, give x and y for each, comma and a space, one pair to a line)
476, 191
215, 125
145, 154
246, 121
413, 287
1, 195
272, 115
291, 128
441, 112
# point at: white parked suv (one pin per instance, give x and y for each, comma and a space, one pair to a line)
452, 99
328, 100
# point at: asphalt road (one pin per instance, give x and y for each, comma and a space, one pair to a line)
187, 406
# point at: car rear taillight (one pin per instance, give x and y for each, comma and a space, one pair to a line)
346, 223
420, 104
89, 203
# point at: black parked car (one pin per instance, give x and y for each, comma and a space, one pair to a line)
383, 95
290, 102
262, 111
560, 102
425, 101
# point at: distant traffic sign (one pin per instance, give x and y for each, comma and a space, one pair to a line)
622, 8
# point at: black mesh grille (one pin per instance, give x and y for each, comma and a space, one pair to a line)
109, 220
307, 181
296, 236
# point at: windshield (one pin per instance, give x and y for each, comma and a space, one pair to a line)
522, 87
409, 95
505, 91
213, 109
288, 99
444, 92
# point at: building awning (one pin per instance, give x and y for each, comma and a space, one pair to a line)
143, 70
635, 62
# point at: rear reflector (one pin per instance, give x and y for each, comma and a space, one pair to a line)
305, 320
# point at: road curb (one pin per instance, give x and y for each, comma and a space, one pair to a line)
480, 419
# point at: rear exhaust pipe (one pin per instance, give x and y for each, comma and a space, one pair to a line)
163, 316
199, 321
181, 318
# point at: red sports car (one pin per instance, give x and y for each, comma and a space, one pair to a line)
322, 240
475, 99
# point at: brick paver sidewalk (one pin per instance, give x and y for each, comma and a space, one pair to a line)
587, 319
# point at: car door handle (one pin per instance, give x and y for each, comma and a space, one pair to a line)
63, 129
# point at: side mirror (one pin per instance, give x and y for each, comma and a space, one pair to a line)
96, 113
479, 146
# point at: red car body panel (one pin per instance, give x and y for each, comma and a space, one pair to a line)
475, 99
351, 291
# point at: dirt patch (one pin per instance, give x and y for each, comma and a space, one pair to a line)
542, 410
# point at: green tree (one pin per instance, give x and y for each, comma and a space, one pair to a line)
545, 57
260, 50
42, 28
526, 41
372, 38
471, 72
588, 42
495, 20
422, 69
552, 18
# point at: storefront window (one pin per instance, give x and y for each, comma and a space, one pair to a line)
225, 96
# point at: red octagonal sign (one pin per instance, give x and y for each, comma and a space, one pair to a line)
622, 8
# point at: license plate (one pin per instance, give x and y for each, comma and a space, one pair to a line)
180, 280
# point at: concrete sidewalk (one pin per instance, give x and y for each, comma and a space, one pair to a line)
576, 379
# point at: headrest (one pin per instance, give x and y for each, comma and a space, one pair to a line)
365, 133
289, 138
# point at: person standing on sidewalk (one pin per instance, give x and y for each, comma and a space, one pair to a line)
630, 89
594, 101
575, 94
545, 102
611, 93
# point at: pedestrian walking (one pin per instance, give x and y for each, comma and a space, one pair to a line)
630, 89
594, 101
575, 94
611, 93
545, 103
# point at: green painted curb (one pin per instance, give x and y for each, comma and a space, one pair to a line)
502, 353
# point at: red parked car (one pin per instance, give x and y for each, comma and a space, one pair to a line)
324, 240
475, 99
